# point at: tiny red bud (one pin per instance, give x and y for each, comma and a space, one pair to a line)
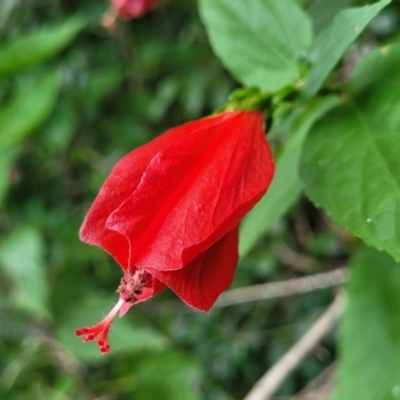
129, 9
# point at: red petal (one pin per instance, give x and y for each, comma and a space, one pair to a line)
128, 9
195, 190
200, 282
120, 184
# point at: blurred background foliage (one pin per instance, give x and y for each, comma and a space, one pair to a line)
74, 98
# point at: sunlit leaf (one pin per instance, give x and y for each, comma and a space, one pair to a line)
369, 366
21, 259
331, 44
259, 41
37, 47
351, 164
27, 110
286, 186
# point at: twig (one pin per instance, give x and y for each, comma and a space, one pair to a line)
282, 289
294, 260
265, 291
320, 387
271, 381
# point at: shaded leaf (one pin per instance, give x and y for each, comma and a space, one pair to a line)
58, 131
168, 376
27, 110
97, 87
259, 41
21, 258
322, 12
350, 162
369, 366
286, 185
331, 44
6, 8
6, 161
37, 47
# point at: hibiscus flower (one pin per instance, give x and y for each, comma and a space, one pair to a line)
169, 211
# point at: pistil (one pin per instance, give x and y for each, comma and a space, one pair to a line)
130, 288
101, 329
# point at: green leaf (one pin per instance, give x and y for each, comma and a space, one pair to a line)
331, 44
167, 376
351, 164
369, 366
27, 110
6, 8
37, 47
259, 41
322, 12
59, 129
99, 85
21, 258
286, 186
124, 337
6, 160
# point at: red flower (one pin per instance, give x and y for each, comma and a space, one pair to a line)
169, 211
128, 9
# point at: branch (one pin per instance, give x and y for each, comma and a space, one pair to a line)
272, 379
282, 289
320, 387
